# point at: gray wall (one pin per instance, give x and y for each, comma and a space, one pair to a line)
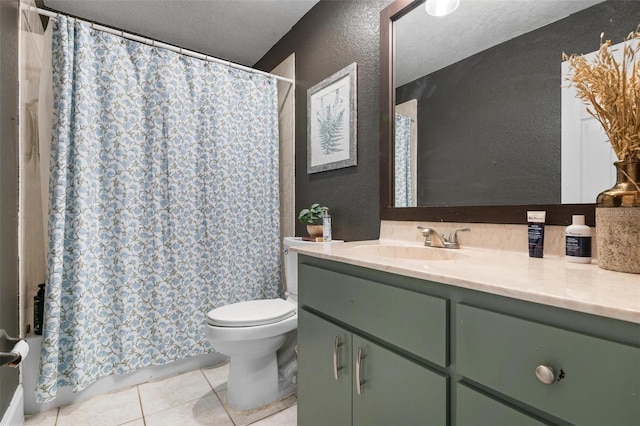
331, 36
9, 318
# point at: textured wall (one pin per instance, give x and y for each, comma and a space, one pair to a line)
331, 36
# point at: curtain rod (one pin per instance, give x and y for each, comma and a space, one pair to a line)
154, 43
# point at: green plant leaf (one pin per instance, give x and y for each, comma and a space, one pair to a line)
312, 214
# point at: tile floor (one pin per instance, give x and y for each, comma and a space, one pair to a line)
194, 398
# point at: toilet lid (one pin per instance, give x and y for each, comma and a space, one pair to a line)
253, 312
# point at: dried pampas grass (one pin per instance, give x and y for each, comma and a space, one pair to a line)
611, 90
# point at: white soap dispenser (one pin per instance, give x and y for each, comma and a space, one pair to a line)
326, 226
578, 241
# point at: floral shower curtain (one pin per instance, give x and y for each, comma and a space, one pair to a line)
164, 203
402, 161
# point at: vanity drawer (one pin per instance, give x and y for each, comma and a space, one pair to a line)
597, 381
412, 321
476, 409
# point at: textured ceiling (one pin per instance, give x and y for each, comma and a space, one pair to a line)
426, 43
240, 31
243, 31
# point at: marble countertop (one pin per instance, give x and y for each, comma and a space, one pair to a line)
551, 280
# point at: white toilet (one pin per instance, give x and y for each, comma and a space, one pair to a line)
259, 336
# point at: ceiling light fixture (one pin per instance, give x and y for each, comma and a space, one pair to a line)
441, 7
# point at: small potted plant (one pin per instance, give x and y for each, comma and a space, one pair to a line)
311, 217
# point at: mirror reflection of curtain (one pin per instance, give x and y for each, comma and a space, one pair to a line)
403, 178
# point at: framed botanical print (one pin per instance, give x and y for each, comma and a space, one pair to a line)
332, 122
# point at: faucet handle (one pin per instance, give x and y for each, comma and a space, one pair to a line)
453, 236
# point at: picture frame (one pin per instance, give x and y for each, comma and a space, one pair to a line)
332, 122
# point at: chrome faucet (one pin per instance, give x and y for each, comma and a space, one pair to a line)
433, 239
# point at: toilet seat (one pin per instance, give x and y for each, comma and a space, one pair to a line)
251, 313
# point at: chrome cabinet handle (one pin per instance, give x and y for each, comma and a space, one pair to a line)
545, 374
359, 382
336, 344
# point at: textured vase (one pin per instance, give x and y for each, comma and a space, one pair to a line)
618, 221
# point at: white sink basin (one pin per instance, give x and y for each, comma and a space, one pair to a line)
409, 252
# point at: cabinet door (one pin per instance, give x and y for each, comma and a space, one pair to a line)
476, 409
395, 390
323, 399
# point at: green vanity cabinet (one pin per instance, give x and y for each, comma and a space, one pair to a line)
395, 390
409, 320
473, 408
391, 390
356, 341
437, 354
324, 371
589, 381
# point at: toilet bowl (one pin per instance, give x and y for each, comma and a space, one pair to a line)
259, 337
252, 348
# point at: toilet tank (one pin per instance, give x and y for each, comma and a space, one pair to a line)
291, 263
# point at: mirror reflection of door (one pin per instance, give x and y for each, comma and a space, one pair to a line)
9, 318
587, 156
405, 154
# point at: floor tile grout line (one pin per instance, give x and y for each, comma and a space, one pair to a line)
144, 420
225, 409
273, 414
207, 380
213, 391
229, 414
212, 367
178, 405
219, 398
270, 415
173, 406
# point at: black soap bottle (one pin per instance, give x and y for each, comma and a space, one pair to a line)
38, 310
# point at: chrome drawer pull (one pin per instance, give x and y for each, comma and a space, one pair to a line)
359, 382
545, 374
336, 345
